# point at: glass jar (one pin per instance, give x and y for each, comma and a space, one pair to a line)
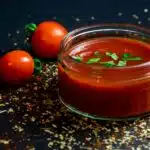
104, 93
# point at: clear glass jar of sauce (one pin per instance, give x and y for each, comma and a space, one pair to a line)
104, 71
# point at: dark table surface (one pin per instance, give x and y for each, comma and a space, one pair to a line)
40, 121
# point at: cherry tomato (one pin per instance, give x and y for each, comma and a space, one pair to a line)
16, 66
47, 38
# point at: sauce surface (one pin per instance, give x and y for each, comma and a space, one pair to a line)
98, 48
107, 95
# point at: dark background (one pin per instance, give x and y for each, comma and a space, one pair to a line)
14, 14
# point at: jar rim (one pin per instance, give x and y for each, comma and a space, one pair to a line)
110, 26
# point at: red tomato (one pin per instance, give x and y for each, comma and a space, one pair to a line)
47, 38
16, 66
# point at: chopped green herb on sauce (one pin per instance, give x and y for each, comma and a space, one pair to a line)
77, 58
112, 55
108, 53
134, 58
93, 60
128, 56
108, 63
122, 63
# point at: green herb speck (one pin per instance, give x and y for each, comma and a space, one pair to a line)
122, 63
108, 63
77, 58
134, 58
112, 55
1, 105
126, 55
108, 53
93, 60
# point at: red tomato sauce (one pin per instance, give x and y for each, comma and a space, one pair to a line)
107, 92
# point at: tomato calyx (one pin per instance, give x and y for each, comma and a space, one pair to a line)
29, 29
37, 66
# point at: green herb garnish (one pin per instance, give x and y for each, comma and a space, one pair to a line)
128, 56
93, 60
97, 53
108, 63
77, 58
134, 58
112, 55
122, 63
108, 53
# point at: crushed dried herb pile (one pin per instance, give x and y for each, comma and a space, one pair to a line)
36, 115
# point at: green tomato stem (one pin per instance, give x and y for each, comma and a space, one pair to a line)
37, 66
29, 29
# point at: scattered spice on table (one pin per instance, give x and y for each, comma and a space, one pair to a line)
35, 111
35, 114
